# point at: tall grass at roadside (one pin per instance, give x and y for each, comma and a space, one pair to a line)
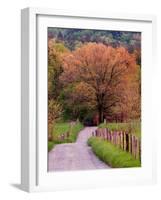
112, 155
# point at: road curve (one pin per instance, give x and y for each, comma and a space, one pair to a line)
75, 156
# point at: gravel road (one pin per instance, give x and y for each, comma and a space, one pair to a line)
75, 156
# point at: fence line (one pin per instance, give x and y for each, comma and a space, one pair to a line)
122, 139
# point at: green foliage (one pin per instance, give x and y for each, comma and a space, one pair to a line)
133, 127
76, 100
112, 155
60, 48
51, 145
55, 51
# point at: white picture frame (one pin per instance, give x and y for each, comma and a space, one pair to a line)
34, 176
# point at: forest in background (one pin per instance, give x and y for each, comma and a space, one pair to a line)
73, 38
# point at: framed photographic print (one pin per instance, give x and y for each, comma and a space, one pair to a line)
86, 99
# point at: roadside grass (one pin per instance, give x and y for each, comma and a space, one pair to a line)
133, 127
61, 128
51, 144
112, 155
74, 132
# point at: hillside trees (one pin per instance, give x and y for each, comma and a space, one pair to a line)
72, 37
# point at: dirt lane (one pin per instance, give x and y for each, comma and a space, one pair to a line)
75, 156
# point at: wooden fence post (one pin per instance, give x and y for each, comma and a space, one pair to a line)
115, 138
121, 141
105, 131
130, 143
139, 149
96, 133
111, 137
124, 141
108, 135
133, 145
62, 137
127, 141
99, 132
132, 148
68, 134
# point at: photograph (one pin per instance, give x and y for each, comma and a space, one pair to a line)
94, 99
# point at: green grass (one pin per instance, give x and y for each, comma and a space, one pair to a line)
63, 127
133, 127
111, 154
51, 144
74, 132
60, 128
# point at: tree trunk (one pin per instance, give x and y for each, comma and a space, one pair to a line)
100, 110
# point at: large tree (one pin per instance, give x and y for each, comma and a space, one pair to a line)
107, 71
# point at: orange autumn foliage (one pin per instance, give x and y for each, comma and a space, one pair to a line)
110, 73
